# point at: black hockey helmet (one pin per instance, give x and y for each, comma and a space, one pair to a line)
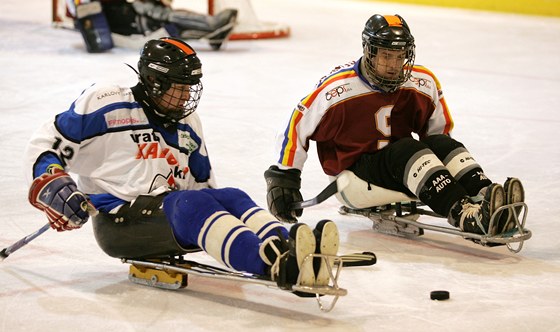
166, 61
392, 33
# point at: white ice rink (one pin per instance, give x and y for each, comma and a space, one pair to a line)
501, 77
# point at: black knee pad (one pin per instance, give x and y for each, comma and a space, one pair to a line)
386, 167
442, 145
399, 153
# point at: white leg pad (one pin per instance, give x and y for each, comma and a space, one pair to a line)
359, 194
218, 233
261, 222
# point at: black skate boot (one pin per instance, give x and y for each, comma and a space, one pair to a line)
494, 197
474, 217
287, 258
215, 29
224, 23
327, 243
271, 249
514, 193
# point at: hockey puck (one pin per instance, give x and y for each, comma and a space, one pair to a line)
439, 295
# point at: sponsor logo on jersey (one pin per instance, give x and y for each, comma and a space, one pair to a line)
154, 151
109, 94
122, 118
186, 141
421, 82
337, 91
161, 180
122, 122
149, 147
145, 137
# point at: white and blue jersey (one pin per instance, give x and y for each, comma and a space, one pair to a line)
107, 140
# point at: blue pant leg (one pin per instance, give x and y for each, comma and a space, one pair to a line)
186, 211
235, 200
238, 203
197, 218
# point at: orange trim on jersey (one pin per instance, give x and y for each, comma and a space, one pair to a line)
183, 47
289, 152
393, 20
447, 115
307, 101
424, 70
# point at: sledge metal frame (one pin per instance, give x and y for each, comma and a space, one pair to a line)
172, 273
400, 219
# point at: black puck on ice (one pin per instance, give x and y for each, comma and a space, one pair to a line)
439, 295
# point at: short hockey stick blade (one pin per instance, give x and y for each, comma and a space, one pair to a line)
9, 250
3, 254
365, 258
334, 187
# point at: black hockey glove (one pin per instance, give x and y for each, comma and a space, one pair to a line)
282, 191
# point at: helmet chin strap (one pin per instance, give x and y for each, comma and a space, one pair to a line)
365, 73
372, 82
136, 71
149, 106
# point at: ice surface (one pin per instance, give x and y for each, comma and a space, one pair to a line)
501, 78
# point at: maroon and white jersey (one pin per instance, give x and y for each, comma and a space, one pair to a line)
347, 117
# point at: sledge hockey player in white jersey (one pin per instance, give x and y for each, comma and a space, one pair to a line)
362, 117
140, 158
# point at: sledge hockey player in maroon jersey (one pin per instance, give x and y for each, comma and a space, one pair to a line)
385, 119
140, 159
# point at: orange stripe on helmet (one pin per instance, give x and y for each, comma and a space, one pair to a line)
393, 20
182, 46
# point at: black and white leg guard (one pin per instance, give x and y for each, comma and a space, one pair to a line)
426, 176
460, 163
410, 167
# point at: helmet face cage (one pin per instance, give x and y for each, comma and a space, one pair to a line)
179, 101
387, 42
170, 72
376, 73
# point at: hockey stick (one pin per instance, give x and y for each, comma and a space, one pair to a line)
365, 258
7, 251
334, 187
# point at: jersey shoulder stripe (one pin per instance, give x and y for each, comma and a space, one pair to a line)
289, 144
444, 108
424, 70
340, 75
78, 127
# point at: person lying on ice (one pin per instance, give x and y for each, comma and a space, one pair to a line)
141, 161
101, 21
